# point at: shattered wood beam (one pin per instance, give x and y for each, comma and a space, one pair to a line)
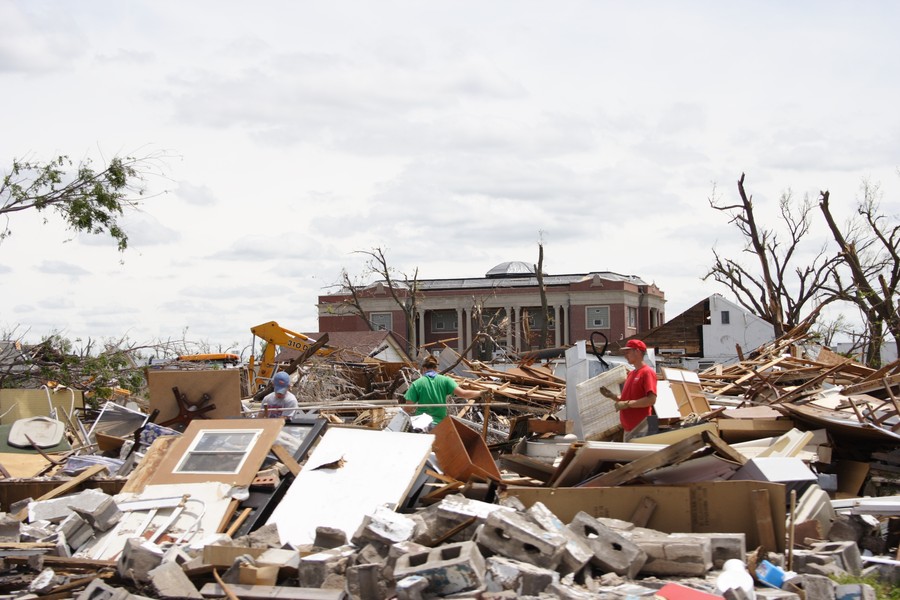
723, 449
670, 455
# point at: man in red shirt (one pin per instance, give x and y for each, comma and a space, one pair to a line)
638, 393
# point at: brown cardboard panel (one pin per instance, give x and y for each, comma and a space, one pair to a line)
742, 430
21, 404
223, 386
709, 507
268, 428
851, 476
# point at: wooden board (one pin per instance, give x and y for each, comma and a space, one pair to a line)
223, 385
379, 467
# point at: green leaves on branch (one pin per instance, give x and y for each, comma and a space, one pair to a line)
89, 200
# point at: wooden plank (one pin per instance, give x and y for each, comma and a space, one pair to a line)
670, 455
271, 592
763, 514
138, 478
286, 459
527, 466
64, 488
723, 449
641, 515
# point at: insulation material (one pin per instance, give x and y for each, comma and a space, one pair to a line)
596, 412
350, 473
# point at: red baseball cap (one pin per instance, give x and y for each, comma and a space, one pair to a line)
636, 345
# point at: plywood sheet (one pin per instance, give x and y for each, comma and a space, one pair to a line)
596, 412
223, 386
379, 467
20, 404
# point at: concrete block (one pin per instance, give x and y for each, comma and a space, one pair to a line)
577, 553
10, 529
683, 555
77, 530
811, 586
365, 582
137, 559
523, 578
815, 504
458, 508
612, 551
449, 569
372, 554
855, 591
169, 581
384, 526
36, 531
572, 592
103, 516
279, 558
57, 509
99, 590
512, 535
264, 537
44, 582
723, 546
330, 537
846, 555
773, 594
314, 568
411, 588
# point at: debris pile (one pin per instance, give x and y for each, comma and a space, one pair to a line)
779, 470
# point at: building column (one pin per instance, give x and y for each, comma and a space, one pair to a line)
565, 316
460, 330
421, 341
509, 327
518, 326
556, 325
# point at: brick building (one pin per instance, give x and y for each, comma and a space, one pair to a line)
506, 304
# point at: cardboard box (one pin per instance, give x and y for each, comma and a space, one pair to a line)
707, 507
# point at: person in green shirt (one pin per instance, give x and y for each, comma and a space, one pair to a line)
432, 388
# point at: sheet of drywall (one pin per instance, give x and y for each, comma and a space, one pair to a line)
350, 473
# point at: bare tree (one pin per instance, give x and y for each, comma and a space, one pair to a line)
539, 272
779, 292
869, 251
403, 290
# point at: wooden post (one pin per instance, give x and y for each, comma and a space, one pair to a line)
488, 396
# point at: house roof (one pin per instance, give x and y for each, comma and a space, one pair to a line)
363, 343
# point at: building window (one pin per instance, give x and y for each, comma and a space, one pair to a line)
381, 321
726, 317
443, 320
632, 317
218, 451
597, 317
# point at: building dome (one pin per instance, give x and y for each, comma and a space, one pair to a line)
515, 268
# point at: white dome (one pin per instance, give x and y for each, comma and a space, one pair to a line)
511, 269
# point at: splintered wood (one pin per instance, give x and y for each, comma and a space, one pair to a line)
823, 388
527, 388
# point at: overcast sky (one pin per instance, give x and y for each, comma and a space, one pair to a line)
448, 133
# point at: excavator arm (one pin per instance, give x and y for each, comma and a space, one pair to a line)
275, 335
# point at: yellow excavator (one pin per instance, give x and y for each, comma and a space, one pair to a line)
274, 335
